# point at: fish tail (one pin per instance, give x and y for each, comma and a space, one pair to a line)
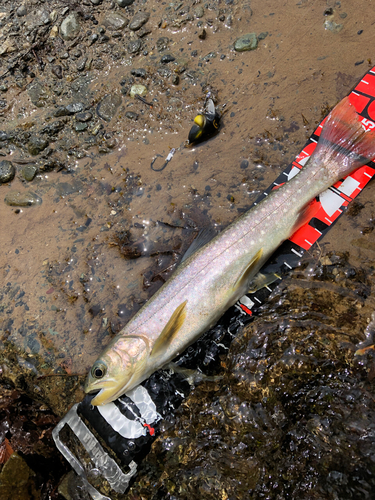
344, 140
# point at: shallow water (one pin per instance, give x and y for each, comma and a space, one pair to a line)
110, 229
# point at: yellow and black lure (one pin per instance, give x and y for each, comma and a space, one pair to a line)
206, 124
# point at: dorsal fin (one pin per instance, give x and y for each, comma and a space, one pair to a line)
170, 330
204, 236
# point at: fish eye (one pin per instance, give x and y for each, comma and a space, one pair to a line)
98, 370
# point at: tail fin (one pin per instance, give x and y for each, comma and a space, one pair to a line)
344, 139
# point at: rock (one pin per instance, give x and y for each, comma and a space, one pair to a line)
36, 145
29, 172
139, 72
115, 21
167, 58
57, 71
75, 107
38, 93
246, 42
162, 43
138, 89
7, 171
131, 115
83, 117
134, 46
82, 64
17, 199
107, 108
16, 480
21, 11
80, 127
70, 27
139, 20
124, 3
199, 12
332, 26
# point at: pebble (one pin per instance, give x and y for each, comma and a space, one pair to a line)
162, 43
80, 127
7, 171
131, 115
124, 3
139, 72
57, 71
17, 199
139, 20
21, 11
70, 27
332, 26
96, 2
138, 89
246, 42
29, 172
107, 107
115, 21
83, 117
199, 12
36, 145
75, 107
134, 46
82, 64
167, 58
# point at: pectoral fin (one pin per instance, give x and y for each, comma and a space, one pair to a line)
244, 278
170, 330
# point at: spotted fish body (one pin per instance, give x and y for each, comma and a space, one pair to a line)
213, 278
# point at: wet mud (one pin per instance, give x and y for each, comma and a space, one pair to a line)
89, 231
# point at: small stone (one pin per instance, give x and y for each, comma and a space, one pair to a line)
3, 136
21, 11
36, 145
82, 64
70, 27
75, 107
107, 108
162, 44
96, 2
95, 130
134, 46
175, 79
246, 42
83, 117
138, 89
57, 71
17, 199
115, 21
199, 12
131, 115
3, 88
202, 34
263, 35
124, 3
80, 127
139, 20
332, 26
61, 111
29, 172
167, 58
7, 171
139, 72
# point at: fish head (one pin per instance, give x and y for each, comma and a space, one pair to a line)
119, 369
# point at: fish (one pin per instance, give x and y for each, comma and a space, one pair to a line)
219, 271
